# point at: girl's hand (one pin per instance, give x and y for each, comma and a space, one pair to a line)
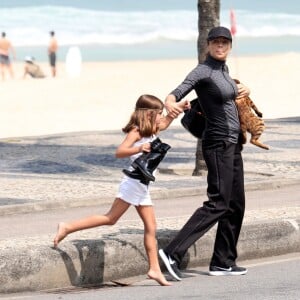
145, 147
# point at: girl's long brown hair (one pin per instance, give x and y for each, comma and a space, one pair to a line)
144, 115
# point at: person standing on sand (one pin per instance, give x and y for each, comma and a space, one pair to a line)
52, 49
5, 49
145, 123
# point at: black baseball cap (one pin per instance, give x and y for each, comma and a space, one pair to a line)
219, 32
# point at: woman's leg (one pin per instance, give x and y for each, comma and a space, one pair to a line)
117, 209
147, 215
219, 160
225, 250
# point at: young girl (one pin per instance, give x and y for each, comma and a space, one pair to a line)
145, 122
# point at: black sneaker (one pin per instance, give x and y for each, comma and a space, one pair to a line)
234, 270
171, 265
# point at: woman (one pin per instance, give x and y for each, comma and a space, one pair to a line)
216, 91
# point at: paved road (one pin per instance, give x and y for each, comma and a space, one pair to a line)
266, 204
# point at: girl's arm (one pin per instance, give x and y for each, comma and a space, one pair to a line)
126, 147
165, 122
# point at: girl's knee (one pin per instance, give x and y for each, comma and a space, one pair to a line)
151, 231
112, 220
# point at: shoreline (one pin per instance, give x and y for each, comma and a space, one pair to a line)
242, 46
103, 97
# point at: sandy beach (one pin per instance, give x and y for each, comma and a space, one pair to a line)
104, 95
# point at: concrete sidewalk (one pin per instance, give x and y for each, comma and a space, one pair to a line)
74, 170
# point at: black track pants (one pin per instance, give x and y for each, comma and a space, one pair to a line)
225, 205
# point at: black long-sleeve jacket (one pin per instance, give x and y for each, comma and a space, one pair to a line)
216, 91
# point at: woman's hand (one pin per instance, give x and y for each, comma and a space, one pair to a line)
243, 91
173, 108
184, 104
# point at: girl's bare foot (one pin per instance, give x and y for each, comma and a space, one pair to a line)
60, 234
159, 277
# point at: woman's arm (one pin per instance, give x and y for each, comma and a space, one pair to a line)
172, 106
126, 147
172, 100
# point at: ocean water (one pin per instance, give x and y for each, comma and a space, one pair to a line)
135, 30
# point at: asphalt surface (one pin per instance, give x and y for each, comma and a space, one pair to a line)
73, 170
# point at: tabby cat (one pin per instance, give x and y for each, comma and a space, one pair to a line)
249, 121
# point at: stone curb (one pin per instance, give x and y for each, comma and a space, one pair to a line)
32, 265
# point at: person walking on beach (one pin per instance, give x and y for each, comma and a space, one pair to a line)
5, 49
52, 49
145, 123
221, 148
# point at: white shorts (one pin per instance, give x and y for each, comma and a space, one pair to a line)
134, 192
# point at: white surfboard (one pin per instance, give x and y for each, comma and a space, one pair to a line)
73, 62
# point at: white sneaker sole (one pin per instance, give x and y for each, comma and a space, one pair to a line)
167, 264
226, 273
